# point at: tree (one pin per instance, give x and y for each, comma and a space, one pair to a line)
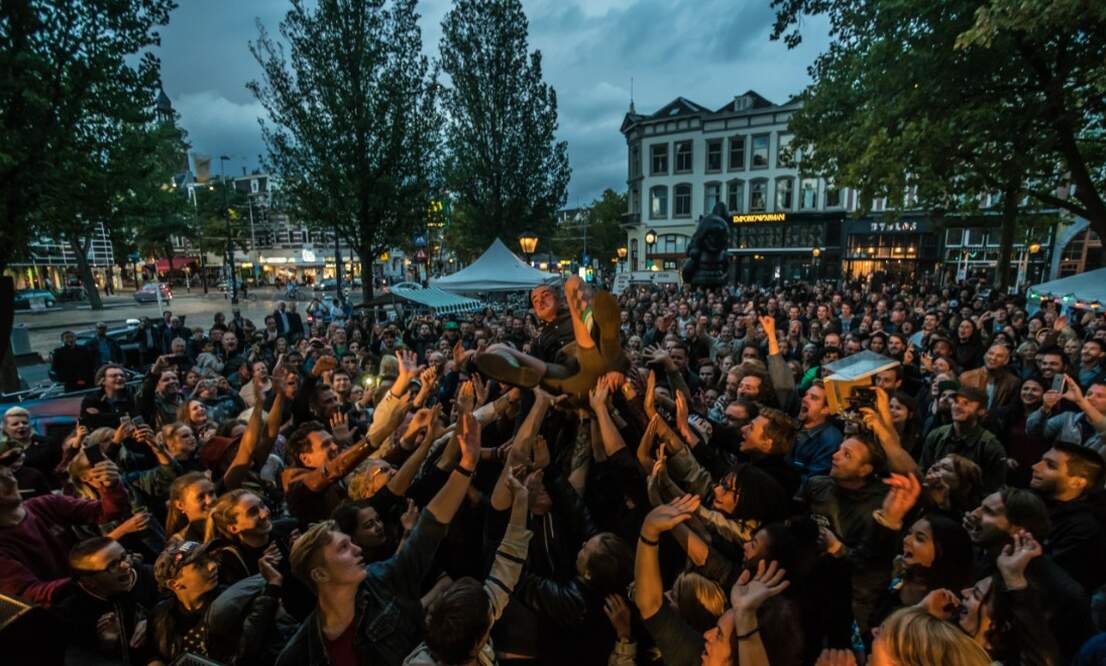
61, 62
603, 224
507, 170
911, 100
354, 123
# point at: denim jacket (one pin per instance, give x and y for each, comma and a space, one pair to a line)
389, 616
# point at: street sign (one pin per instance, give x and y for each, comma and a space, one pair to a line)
420, 255
420, 241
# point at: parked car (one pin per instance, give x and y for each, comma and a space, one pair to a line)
330, 284
148, 293
24, 298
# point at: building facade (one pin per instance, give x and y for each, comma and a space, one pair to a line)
788, 225
685, 158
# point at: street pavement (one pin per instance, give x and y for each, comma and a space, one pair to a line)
45, 328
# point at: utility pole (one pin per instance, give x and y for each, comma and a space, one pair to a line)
230, 243
338, 267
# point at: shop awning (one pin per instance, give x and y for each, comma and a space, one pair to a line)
438, 300
178, 263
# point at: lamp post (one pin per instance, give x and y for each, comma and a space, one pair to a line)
528, 242
230, 244
650, 241
816, 253
621, 259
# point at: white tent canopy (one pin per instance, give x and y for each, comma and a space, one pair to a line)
498, 269
1085, 290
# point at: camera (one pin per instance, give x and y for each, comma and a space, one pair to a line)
862, 396
850, 386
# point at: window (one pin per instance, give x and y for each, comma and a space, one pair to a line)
658, 202
954, 237
784, 158
737, 153
635, 199
633, 254
712, 194
976, 237
672, 244
658, 154
635, 161
735, 196
785, 193
808, 194
683, 157
714, 155
833, 196
758, 196
681, 200
760, 151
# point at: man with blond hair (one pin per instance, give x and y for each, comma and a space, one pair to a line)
355, 600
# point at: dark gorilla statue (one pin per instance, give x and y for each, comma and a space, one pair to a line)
706, 253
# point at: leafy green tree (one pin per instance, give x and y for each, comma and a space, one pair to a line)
911, 104
506, 168
604, 234
353, 119
61, 63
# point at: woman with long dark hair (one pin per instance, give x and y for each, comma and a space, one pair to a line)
1022, 449
936, 554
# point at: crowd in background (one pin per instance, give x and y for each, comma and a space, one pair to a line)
347, 490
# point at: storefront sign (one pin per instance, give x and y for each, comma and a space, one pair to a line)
750, 218
889, 226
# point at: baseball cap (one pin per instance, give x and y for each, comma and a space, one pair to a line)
973, 394
176, 556
948, 385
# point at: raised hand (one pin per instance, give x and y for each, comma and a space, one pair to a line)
136, 523
682, 416
466, 398
902, 497
650, 397
618, 612
941, 604
1015, 557
103, 475
752, 590
429, 377
597, 396
469, 439
408, 364
410, 516
269, 563
667, 516
480, 389
339, 427
323, 364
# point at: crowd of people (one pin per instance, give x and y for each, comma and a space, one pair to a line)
360, 491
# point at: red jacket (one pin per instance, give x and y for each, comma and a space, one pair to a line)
34, 555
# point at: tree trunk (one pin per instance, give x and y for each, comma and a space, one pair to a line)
84, 269
1009, 224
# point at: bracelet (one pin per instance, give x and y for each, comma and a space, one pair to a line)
750, 633
645, 540
463, 471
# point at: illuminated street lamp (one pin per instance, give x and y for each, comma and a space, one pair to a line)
528, 242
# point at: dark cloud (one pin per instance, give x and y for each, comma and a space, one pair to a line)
705, 50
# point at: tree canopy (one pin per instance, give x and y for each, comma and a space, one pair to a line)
353, 119
505, 166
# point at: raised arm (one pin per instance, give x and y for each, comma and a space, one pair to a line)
648, 587
445, 504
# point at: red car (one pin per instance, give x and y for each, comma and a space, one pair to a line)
148, 293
